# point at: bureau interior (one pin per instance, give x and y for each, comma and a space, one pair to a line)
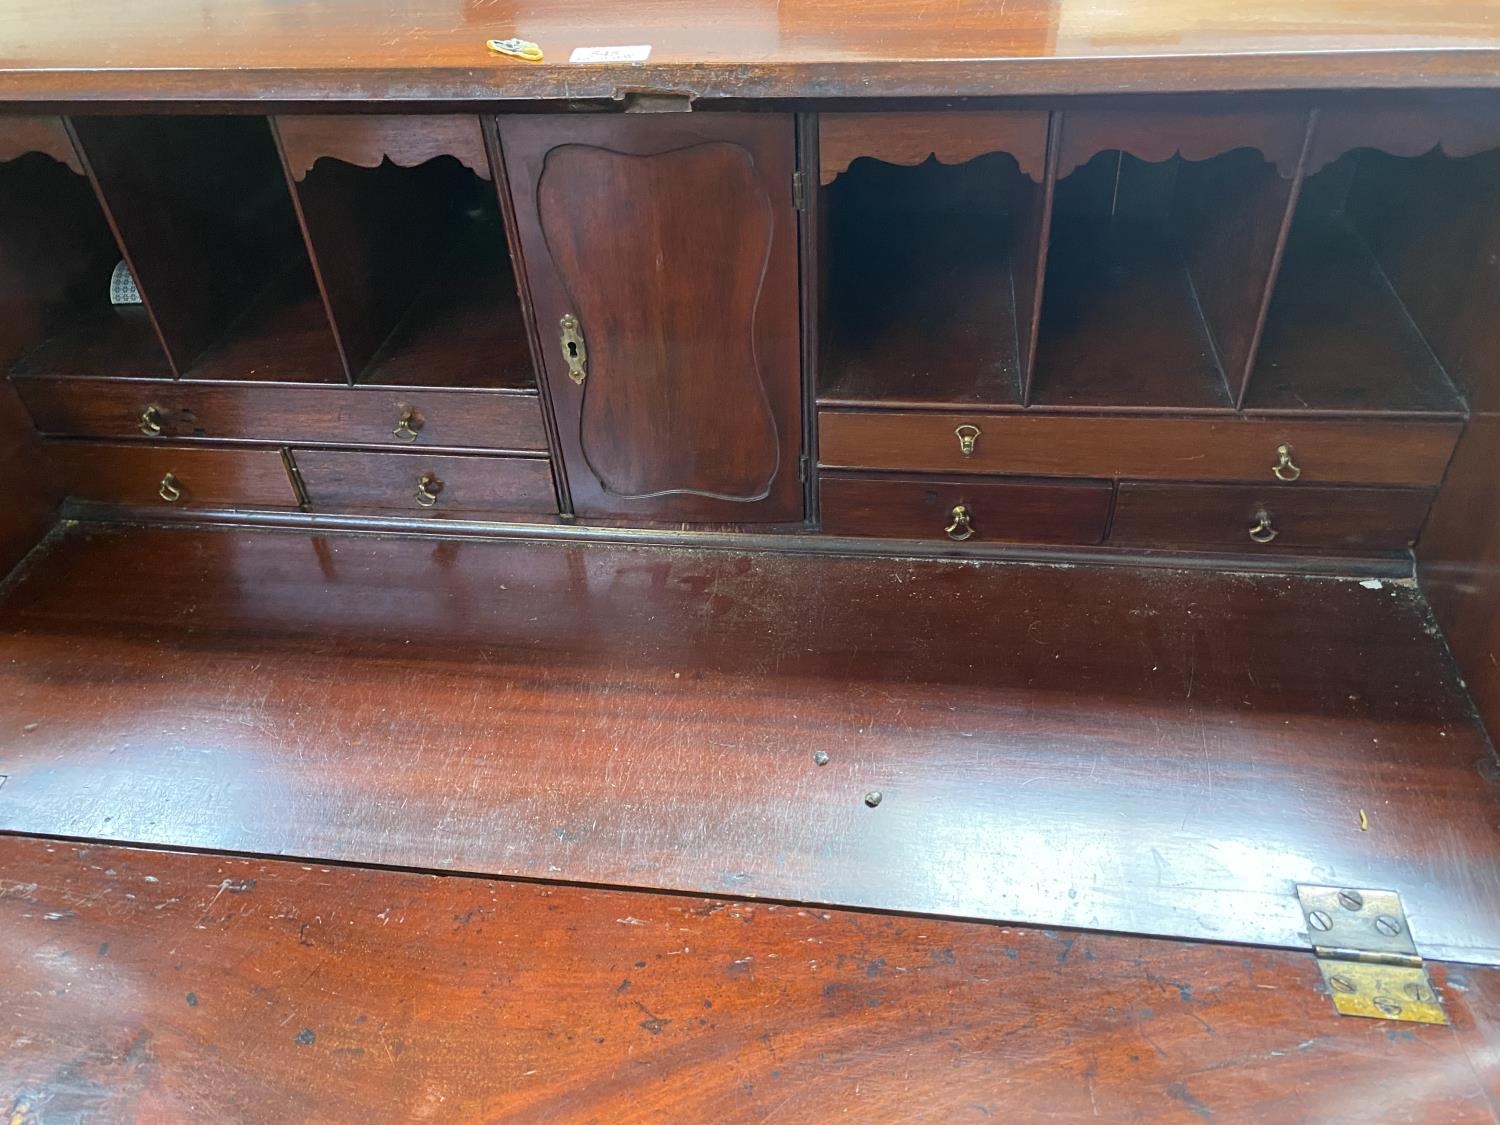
1176, 348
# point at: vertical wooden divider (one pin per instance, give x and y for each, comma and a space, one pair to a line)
199, 214
379, 216
1289, 214
1231, 215
500, 176
313, 256
125, 251
812, 246
1040, 232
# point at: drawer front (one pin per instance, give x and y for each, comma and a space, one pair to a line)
172, 476
428, 486
1229, 517
965, 509
509, 421
1230, 449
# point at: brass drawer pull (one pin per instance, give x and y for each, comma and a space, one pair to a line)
967, 435
1285, 469
575, 352
407, 426
428, 487
1262, 531
150, 421
169, 489
962, 526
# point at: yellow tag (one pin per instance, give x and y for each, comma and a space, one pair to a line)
523, 49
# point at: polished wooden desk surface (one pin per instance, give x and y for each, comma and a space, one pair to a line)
160, 987
425, 49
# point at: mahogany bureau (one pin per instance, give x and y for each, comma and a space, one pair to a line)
1035, 464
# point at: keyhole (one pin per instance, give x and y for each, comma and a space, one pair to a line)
572, 350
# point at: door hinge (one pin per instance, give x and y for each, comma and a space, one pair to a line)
802, 469
1367, 956
799, 191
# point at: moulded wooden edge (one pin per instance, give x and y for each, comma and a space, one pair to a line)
1400, 68
1400, 129
47, 135
952, 137
1157, 135
406, 140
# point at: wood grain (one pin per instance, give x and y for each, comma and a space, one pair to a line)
166, 986
1218, 517
952, 138
1101, 747
1000, 510
192, 50
133, 475
508, 422
673, 242
1205, 449
464, 487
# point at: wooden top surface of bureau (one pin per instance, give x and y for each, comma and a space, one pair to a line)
431, 50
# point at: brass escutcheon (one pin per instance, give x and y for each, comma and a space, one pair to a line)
150, 421
169, 489
962, 526
1262, 531
1284, 469
428, 487
967, 435
407, 426
575, 352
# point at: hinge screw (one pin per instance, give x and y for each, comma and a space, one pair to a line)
1342, 984
1319, 921
1351, 900
820, 758
1387, 925
1416, 992
1389, 1007
872, 798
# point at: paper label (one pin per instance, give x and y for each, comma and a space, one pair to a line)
610, 54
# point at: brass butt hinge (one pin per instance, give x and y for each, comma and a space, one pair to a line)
799, 191
1367, 956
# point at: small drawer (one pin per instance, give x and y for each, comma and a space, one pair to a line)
172, 476
418, 484
1294, 452
1268, 518
167, 410
965, 509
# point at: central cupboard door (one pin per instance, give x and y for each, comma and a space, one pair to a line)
661, 259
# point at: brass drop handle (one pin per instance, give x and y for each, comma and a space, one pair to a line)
962, 526
1285, 469
967, 435
428, 487
575, 351
407, 426
150, 421
169, 489
1262, 531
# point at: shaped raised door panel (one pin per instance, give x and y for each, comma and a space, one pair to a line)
672, 244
